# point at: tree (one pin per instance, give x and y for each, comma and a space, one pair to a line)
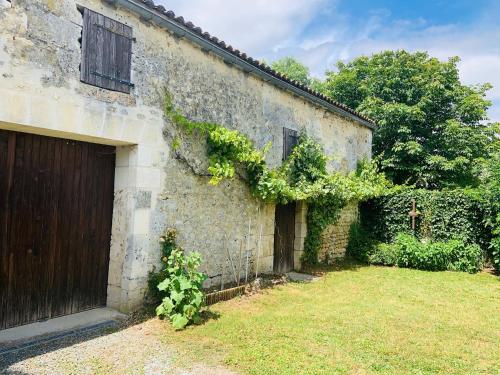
297, 71
293, 69
430, 130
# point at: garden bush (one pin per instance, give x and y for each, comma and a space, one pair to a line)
183, 284
178, 285
410, 252
167, 242
384, 254
423, 256
466, 258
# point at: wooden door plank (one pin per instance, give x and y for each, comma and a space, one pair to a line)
61, 208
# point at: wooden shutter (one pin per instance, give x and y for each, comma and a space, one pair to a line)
106, 52
290, 139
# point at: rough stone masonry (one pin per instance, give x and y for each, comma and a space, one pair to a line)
157, 187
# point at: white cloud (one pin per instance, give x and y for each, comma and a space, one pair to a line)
251, 26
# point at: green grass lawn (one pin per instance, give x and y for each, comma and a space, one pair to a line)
357, 320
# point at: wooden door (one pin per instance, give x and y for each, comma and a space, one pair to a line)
56, 198
284, 237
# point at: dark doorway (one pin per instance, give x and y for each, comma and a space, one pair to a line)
284, 237
56, 200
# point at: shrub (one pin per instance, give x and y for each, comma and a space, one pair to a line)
466, 258
178, 285
182, 286
167, 242
422, 256
360, 244
495, 253
452, 255
384, 254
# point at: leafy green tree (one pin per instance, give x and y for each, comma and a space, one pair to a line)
293, 69
297, 71
430, 125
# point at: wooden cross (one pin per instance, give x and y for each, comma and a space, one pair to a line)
413, 214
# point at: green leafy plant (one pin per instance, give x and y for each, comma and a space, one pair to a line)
180, 284
302, 177
167, 243
466, 258
423, 256
384, 254
410, 252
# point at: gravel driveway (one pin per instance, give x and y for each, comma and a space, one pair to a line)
137, 349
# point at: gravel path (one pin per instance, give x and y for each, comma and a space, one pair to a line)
133, 350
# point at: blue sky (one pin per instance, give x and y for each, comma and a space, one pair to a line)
321, 32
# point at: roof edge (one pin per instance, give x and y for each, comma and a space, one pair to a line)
148, 11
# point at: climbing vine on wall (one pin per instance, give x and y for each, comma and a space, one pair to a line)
302, 177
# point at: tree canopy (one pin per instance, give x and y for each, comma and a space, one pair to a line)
297, 71
430, 124
293, 69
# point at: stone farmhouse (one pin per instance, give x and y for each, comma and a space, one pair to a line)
89, 176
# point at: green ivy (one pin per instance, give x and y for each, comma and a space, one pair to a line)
302, 177
442, 215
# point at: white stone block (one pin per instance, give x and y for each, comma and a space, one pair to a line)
122, 178
141, 221
144, 156
14, 108
148, 178
42, 112
122, 156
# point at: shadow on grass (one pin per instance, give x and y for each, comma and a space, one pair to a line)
207, 316
346, 264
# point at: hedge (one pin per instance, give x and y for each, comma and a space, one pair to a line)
443, 216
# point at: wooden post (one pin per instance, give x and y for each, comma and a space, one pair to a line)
413, 214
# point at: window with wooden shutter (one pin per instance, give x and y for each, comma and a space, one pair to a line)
290, 140
106, 52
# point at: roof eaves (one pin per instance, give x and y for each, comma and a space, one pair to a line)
166, 18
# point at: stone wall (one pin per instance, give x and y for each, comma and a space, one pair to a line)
334, 239
155, 186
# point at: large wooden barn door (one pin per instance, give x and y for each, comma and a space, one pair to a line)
284, 237
56, 199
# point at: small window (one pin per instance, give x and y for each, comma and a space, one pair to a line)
106, 52
290, 140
